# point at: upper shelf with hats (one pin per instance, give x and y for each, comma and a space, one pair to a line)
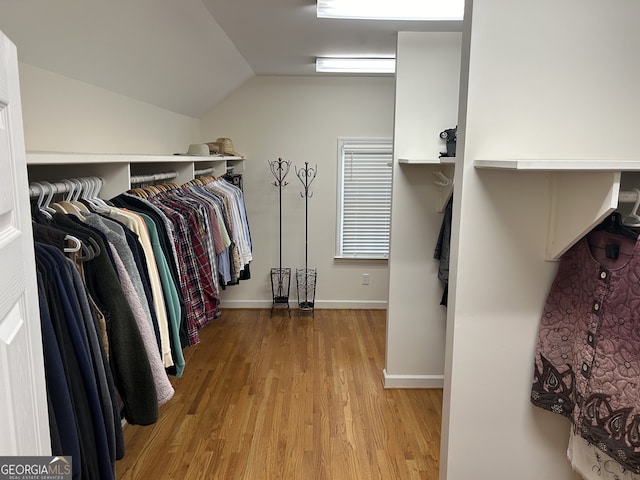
58, 158
117, 170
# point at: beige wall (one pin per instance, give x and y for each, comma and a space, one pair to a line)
296, 118
299, 119
65, 115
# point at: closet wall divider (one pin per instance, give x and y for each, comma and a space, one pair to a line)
427, 75
537, 167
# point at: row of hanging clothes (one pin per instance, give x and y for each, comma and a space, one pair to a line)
443, 244
124, 285
587, 358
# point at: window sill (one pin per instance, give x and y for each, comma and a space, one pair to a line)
362, 257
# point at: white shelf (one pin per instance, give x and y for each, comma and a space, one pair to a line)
592, 184
57, 158
427, 161
116, 170
448, 164
559, 165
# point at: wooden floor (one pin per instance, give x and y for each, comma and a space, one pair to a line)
288, 398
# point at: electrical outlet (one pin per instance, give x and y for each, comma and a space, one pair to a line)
365, 279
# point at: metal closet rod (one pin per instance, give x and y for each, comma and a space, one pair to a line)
52, 188
203, 171
154, 177
629, 196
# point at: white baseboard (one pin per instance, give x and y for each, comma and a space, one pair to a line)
244, 304
293, 304
358, 304
413, 381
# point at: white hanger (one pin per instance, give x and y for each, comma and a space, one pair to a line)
51, 191
65, 205
90, 192
78, 189
86, 191
90, 188
71, 188
97, 186
633, 219
441, 179
41, 193
82, 208
76, 244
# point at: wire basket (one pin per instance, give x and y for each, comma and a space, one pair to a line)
280, 287
306, 283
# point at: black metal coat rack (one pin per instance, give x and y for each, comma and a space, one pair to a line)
306, 278
280, 277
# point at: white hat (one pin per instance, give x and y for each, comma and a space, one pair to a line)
198, 149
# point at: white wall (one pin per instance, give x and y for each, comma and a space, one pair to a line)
299, 119
427, 76
541, 80
66, 115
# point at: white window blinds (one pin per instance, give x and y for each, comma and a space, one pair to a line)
364, 203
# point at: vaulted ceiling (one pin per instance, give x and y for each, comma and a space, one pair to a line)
186, 56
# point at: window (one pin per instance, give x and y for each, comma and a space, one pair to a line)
364, 197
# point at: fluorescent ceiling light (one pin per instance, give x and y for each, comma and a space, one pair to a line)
392, 9
356, 65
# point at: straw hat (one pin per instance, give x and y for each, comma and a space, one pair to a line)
215, 148
227, 147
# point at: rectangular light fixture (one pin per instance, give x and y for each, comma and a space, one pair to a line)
392, 9
355, 65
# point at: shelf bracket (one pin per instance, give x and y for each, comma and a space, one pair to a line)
579, 202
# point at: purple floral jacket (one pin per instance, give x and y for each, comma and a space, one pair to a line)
587, 360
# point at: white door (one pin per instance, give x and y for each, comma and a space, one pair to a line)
23, 403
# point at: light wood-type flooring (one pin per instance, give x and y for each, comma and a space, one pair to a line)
297, 398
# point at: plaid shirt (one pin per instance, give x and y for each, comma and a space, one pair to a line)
197, 232
200, 228
190, 284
